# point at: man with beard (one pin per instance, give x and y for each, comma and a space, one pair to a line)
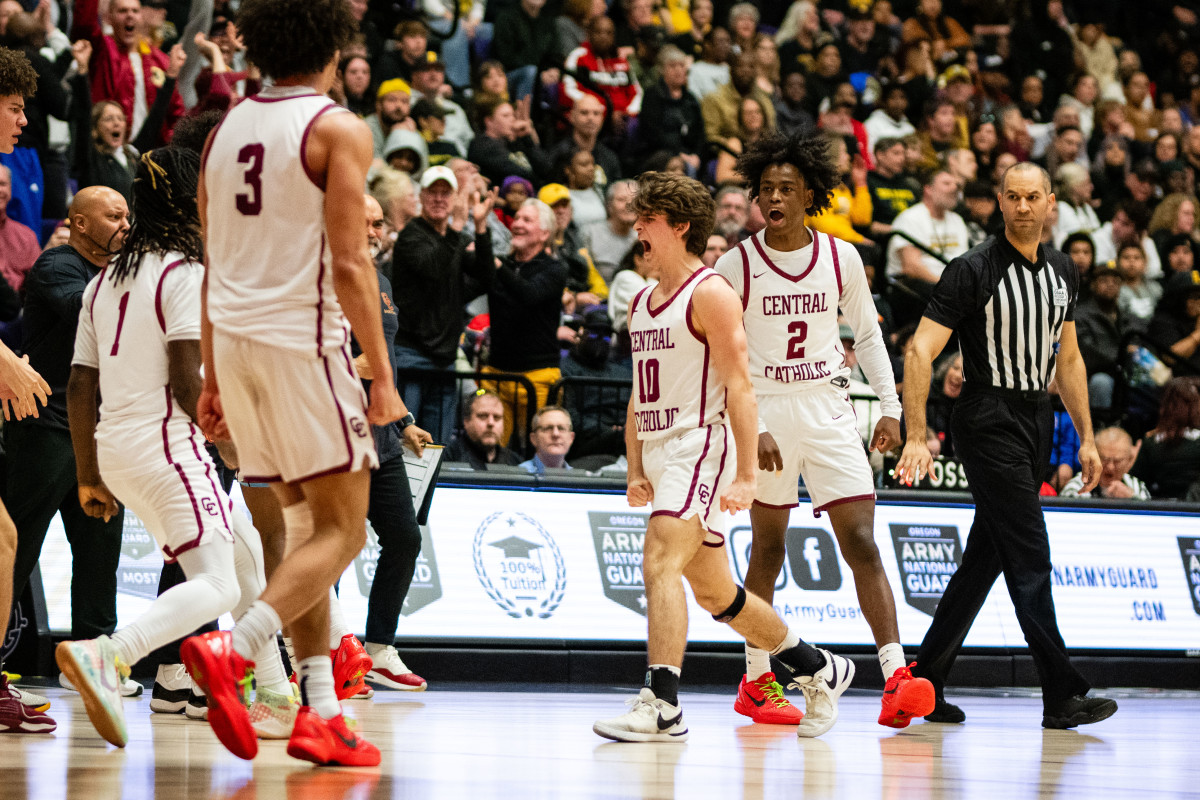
720, 108
733, 214
483, 424
392, 104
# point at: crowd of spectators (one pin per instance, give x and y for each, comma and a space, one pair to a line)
553, 106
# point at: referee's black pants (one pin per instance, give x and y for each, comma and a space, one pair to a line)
1003, 443
41, 481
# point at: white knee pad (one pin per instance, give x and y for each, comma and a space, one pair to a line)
298, 523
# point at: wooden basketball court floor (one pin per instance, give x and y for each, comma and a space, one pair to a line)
482, 742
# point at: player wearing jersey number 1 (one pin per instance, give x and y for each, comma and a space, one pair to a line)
692, 402
288, 275
792, 282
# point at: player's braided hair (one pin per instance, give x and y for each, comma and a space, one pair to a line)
810, 156
288, 38
16, 74
165, 216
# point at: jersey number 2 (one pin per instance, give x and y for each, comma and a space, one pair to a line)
251, 204
648, 391
796, 343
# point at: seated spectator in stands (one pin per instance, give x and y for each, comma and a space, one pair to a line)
711, 71
722, 109
407, 152
514, 191
838, 117
892, 189
1128, 226
918, 76
397, 195
1176, 320
103, 156
1139, 296
716, 247
985, 143
479, 444
1083, 255
961, 163
112, 70
743, 25
888, 120
18, 243
572, 24
1179, 254
597, 412
798, 36
944, 33
791, 106
597, 67
945, 389
577, 169
431, 125
850, 208
611, 238
940, 134
1169, 458
978, 210
691, 41
1074, 195
752, 125
551, 437
733, 214
524, 42
584, 283
824, 78
933, 224
393, 99
354, 75
525, 306
1101, 324
678, 126
412, 42
1032, 101
1139, 107
1175, 214
507, 143
1117, 454
429, 80
633, 275
586, 118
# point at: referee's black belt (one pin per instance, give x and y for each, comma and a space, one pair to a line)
1024, 395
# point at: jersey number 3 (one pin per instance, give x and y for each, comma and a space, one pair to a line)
250, 204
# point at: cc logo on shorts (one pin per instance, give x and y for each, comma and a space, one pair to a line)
210, 506
704, 493
358, 426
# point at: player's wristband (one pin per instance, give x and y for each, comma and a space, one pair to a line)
406, 420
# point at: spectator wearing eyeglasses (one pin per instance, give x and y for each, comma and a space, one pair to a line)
552, 437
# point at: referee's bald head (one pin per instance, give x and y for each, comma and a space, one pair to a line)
1025, 166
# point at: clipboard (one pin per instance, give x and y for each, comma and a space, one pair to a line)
422, 477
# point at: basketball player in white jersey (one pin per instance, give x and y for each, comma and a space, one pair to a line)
288, 276
791, 281
138, 345
692, 401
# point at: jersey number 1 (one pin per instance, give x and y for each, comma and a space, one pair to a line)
648, 391
251, 204
120, 323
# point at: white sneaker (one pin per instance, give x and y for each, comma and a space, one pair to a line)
273, 715
28, 698
389, 671
821, 693
129, 687
172, 689
197, 704
648, 720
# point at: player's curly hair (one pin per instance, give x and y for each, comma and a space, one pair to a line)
286, 38
810, 155
680, 200
16, 74
165, 216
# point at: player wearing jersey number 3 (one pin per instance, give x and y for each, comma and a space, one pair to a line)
288, 268
692, 401
791, 282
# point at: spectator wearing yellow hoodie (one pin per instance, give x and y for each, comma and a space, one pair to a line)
851, 207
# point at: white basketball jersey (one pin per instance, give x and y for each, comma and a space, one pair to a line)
675, 387
268, 255
790, 305
124, 329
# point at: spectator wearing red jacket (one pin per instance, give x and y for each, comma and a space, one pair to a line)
596, 67
125, 68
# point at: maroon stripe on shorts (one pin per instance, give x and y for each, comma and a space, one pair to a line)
321, 297
182, 477
720, 469
341, 418
208, 470
696, 472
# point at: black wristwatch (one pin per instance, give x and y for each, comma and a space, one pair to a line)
406, 420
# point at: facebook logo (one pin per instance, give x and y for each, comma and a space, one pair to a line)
813, 559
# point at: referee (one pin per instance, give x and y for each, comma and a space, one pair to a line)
1012, 302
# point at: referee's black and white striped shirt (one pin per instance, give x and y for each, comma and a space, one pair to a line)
1008, 311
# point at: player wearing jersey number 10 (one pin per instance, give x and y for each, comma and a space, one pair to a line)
693, 402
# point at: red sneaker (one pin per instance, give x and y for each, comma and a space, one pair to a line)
762, 700
329, 742
16, 717
350, 665
225, 678
905, 697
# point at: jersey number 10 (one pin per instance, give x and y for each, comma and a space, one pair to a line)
648, 391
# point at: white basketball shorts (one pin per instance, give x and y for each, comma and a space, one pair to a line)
688, 473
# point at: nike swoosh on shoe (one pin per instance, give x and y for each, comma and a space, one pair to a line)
663, 724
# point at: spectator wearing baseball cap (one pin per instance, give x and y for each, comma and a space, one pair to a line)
439, 276
429, 79
1100, 324
569, 246
393, 100
431, 124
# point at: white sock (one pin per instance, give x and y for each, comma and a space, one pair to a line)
790, 639
337, 622
256, 628
268, 670
316, 686
373, 649
891, 658
758, 663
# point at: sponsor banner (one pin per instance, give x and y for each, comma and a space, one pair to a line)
563, 566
